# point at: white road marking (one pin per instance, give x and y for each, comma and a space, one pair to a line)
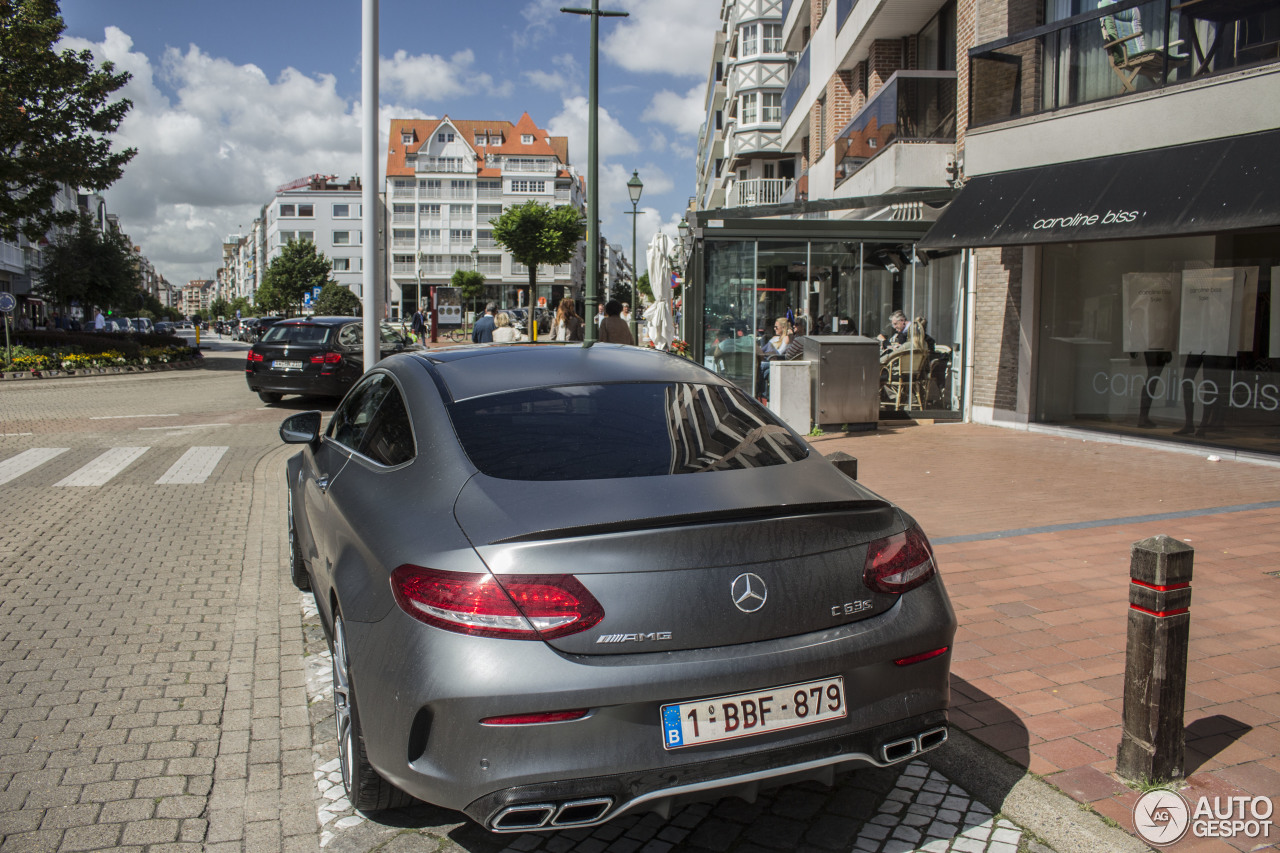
185, 426
195, 466
9, 434
123, 417
27, 460
101, 470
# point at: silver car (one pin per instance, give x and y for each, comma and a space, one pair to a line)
566, 582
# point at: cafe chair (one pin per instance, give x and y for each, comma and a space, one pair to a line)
906, 379
1126, 47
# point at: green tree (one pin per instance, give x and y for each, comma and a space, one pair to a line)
337, 301
56, 118
220, 308
470, 284
268, 300
539, 234
291, 274
92, 268
642, 285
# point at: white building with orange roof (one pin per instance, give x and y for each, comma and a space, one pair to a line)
446, 179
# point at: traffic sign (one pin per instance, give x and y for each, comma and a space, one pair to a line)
7, 302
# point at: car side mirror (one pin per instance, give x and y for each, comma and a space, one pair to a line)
302, 428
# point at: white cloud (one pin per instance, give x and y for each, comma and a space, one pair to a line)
565, 80
429, 77
614, 139
685, 113
664, 36
211, 154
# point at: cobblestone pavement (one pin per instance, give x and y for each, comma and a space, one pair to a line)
162, 686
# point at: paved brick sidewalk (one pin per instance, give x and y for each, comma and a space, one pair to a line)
1038, 669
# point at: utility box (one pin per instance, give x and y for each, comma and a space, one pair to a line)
790, 391
845, 379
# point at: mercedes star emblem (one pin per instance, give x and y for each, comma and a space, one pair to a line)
749, 592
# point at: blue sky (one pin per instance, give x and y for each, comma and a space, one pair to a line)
233, 98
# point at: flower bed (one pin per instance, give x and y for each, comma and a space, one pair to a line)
43, 352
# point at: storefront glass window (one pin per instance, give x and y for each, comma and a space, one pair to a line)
1174, 338
832, 288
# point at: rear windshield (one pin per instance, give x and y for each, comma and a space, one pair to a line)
296, 333
587, 432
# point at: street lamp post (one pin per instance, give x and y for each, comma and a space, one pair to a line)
475, 267
593, 159
634, 187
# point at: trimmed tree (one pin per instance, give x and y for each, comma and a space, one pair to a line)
56, 118
293, 273
470, 284
91, 267
537, 233
337, 301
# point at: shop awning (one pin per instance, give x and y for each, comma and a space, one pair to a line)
1219, 185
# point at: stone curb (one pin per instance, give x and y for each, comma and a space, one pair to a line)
1030, 802
13, 376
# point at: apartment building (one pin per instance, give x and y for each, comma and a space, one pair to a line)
319, 208
198, 296
446, 179
1121, 213
740, 157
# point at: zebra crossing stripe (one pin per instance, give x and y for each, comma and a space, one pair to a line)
195, 466
27, 460
101, 470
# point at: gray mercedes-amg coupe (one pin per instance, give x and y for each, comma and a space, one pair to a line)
565, 582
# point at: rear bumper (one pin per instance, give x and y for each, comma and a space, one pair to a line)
280, 382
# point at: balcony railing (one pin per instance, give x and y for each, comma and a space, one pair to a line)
489, 192
519, 166
796, 85
401, 218
913, 106
1118, 49
843, 8
11, 258
759, 191
786, 7
446, 164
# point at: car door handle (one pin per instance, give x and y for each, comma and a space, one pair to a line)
322, 483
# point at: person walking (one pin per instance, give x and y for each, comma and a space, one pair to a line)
99, 322
567, 325
419, 325
483, 331
613, 329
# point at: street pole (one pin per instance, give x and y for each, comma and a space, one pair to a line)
593, 164
371, 295
634, 188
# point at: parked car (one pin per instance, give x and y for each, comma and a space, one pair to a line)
320, 356
164, 327
566, 583
141, 325
247, 327
264, 323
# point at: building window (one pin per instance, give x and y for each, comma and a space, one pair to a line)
772, 106
406, 138
488, 211
429, 235
750, 40
306, 210
400, 208
396, 234
342, 265
460, 235
288, 210
748, 111
528, 186
461, 211
773, 38
352, 238
342, 211
430, 211
526, 139
287, 237
444, 137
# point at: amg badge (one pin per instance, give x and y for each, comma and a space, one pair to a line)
651, 637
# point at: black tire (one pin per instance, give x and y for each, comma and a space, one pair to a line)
270, 396
365, 788
297, 567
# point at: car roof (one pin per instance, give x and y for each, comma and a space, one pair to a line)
475, 371
319, 321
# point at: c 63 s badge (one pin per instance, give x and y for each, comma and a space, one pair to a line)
850, 608
651, 637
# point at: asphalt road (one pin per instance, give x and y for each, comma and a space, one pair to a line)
163, 686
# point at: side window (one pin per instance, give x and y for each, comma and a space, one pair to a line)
389, 439
351, 335
351, 419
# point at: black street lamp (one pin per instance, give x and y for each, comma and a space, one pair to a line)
634, 188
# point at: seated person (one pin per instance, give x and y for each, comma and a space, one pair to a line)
895, 336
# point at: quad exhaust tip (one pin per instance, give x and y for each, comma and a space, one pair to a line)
551, 815
904, 748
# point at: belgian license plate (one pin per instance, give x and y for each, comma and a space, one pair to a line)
286, 365
745, 714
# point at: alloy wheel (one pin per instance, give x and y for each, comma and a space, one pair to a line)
342, 705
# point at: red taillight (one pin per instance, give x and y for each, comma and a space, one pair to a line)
254, 356
534, 719
910, 659
327, 358
520, 607
898, 563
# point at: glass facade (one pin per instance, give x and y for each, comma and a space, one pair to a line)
830, 287
1171, 338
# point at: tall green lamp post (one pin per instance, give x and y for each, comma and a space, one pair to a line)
634, 188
